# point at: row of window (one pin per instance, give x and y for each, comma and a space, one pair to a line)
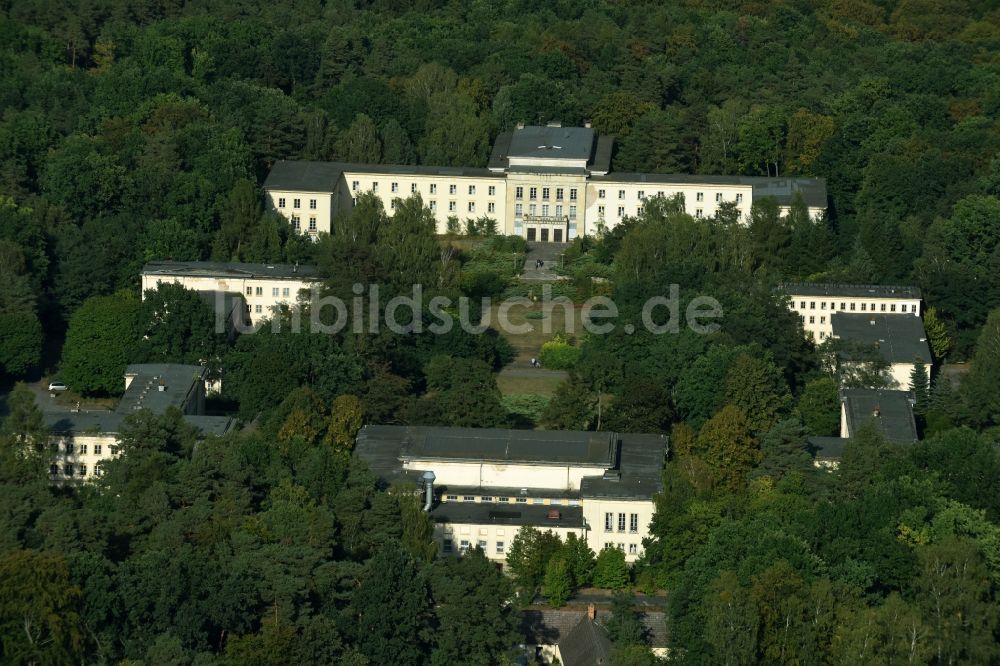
452, 206
533, 193
699, 196
73, 469
259, 291
491, 498
633, 523
864, 306
546, 209
82, 449
447, 546
296, 203
297, 223
452, 189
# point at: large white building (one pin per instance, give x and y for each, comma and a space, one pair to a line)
489, 483
548, 184
816, 303
81, 440
263, 287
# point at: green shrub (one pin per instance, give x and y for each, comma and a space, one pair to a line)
558, 354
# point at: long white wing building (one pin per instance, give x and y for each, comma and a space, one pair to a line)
489, 483
547, 184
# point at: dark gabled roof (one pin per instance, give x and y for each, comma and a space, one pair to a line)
826, 448
498, 158
890, 411
852, 290
230, 269
569, 143
640, 468
602, 154
535, 515
586, 644
109, 423
304, 176
781, 189
547, 626
899, 337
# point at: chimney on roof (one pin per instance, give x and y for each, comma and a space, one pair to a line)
554, 514
591, 612
520, 126
877, 412
871, 321
586, 124
162, 387
295, 268
554, 123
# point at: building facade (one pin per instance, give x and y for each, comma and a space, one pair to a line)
263, 287
547, 184
816, 303
81, 440
489, 483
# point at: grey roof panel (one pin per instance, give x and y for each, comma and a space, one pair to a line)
570, 143
303, 176
899, 337
501, 147
853, 290
602, 154
144, 392
640, 466
891, 411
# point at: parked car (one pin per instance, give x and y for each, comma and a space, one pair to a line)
57, 386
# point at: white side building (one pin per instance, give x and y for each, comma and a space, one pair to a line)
81, 440
262, 286
488, 483
816, 303
544, 183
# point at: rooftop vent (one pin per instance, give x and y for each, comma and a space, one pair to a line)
554, 514
524, 491
554, 123
520, 126
877, 412
162, 386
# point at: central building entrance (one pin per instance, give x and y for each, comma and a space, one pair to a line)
546, 229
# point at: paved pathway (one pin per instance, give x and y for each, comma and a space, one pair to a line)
548, 254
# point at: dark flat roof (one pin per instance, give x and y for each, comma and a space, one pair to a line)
230, 269
899, 337
536, 141
591, 449
178, 382
473, 513
640, 466
782, 189
636, 465
832, 289
498, 157
891, 411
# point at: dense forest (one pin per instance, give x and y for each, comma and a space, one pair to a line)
134, 131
